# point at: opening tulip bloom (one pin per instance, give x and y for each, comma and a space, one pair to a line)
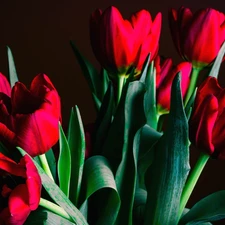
199, 36
119, 44
207, 121
164, 78
30, 118
20, 190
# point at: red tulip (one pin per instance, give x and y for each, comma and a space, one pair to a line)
164, 79
207, 121
199, 36
119, 44
30, 118
20, 190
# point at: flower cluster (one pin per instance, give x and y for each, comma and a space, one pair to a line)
131, 166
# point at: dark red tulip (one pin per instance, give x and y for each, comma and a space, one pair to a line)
199, 36
119, 44
164, 78
30, 118
20, 190
207, 121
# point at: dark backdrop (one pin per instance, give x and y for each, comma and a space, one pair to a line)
38, 33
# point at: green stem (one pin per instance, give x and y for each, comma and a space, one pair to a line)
192, 180
120, 83
45, 166
194, 77
54, 208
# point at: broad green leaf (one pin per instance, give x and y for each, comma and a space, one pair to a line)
127, 170
144, 140
64, 163
90, 73
166, 177
214, 72
145, 69
97, 179
103, 120
210, 208
150, 97
13, 78
140, 199
76, 141
51, 162
57, 195
105, 82
112, 148
98, 103
45, 217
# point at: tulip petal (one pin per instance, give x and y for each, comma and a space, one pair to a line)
36, 133
204, 46
33, 182
114, 32
202, 123
218, 136
23, 101
18, 209
4, 85
9, 166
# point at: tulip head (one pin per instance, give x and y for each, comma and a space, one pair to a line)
197, 36
120, 44
20, 189
165, 74
30, 118
207, 120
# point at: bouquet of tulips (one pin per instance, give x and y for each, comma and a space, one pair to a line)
131, 166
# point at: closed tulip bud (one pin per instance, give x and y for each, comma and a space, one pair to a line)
197, 36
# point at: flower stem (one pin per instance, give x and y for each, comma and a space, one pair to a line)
120, 83
54, 208
192, 180
45, 166
194, 77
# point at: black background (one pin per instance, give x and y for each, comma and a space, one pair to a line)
38, 33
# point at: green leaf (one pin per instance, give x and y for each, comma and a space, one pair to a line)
98, 178
64, 163
105, 82
214, 72
89, 72
98, 103
150, 97
166, 176
76, 141
103, 120
41, 216
210, 208
51, 162
127, 170
144, 140
139, 205
145, 69
57, 195
13, 78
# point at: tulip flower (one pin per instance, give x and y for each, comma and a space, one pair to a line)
164, 78
199, 36
30, 118
20, 190
207, 121
120, 44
